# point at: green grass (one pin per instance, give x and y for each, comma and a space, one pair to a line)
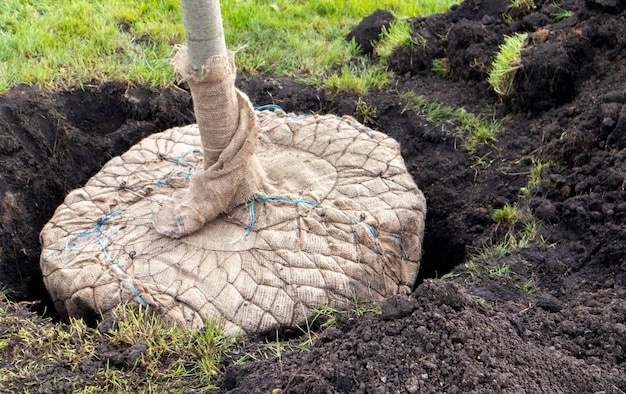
323, 317
397, 35
35, 352
507, 216
560, 13
474, 130
498, 262
355, 78
506, 63
53, 42
174, 358
56, 42
499, 259
441, 67
366, 113
535, 178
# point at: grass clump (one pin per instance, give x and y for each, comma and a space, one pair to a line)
397, 35
366, 113
140, 353
355, 78
507, 216
536, 177
517, 228
173, 357
506, 63
440, 66
560, 13
323, 317
474, 130
517, 9
500, 261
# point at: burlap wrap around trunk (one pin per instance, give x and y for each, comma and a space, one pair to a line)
344, 220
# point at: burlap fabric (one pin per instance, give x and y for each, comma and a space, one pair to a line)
344, 219
228, 129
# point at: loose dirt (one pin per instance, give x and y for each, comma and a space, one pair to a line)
546, 317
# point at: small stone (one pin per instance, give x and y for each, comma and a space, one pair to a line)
135, 353
608, 122
615, 96
108, 325
396, 306
549, 303
545, 210
329, 334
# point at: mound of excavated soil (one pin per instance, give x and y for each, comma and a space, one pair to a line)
566, 332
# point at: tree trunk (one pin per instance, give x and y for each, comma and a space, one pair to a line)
204, 32
227, 123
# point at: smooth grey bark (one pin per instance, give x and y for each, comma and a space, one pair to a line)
204, 32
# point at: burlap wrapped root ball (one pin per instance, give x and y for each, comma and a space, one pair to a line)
332, 216
346, 220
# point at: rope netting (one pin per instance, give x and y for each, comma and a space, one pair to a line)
344, 219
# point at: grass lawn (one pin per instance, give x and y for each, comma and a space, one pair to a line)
52, 43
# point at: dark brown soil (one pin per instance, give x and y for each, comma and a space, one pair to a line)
469, 334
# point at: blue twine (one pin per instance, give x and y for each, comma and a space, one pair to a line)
101, 237
367, 129
283, 199
371, 230
252, 215
103, 248
135, 292
271, 106
404, 253
251, 220
278, 108
86, 235
186, 173
181, 160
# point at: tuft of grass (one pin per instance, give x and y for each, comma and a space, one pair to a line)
474, 130
366, 113
507, 216
561, 13
497, 262
441, 67
171, 352
499, 259
323, 317
361, 309
397, 35
523, 4
506, 63
477, 129
518, 8
535, 178
355, 78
